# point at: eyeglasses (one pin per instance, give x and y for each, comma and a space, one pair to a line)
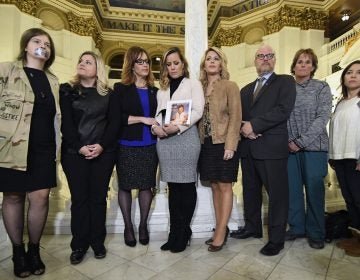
142, 61
267, 56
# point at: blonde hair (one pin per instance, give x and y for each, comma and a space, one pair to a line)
102, 86
128, 77
224, 74
164, 74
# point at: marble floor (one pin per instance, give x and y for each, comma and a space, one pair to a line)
239, 259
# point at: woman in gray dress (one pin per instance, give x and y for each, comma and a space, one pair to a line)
178, 146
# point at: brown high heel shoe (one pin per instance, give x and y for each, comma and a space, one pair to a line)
214, 248
210, 240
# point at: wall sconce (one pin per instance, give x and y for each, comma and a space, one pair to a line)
345, 15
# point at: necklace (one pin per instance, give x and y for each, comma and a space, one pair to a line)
141, 84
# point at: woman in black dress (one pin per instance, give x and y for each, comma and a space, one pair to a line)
88, 153
29, 127
136, 158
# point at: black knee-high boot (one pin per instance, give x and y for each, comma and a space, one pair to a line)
174, 216
186, 207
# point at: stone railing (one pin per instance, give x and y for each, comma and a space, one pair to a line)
342, 40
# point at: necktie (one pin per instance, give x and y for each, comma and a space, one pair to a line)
259, 86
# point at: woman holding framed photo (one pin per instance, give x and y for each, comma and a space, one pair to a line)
178, 146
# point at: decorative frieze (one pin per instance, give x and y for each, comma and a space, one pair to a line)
305, 18
80, 25
30, 6
84, 27
228, 37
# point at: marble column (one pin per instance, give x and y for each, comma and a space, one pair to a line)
196, 36
196, 42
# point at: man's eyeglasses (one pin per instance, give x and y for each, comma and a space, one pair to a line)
267, 56
142, 61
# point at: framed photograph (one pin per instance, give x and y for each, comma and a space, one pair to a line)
178, 112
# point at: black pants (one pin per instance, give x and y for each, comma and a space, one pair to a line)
88, 182
272, 173
349, 181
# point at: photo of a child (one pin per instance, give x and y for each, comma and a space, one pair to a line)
178, 112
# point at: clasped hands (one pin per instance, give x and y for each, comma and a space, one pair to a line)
91, 151
165, 130
247, 131
293, 148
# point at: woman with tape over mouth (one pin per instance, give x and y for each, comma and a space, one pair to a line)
29, 141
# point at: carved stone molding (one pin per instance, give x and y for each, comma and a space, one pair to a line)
305, 18
228, 37
9, 1
97, 38
30, 6
80, 25
84, 27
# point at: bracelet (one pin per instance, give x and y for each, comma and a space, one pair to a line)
152, 128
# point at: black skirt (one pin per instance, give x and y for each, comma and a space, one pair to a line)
213, 167
136, 167
40, 174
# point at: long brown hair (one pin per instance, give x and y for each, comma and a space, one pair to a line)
128, 77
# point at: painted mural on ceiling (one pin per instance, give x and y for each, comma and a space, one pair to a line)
177, 6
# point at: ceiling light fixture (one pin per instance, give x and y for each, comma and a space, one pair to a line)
345, 15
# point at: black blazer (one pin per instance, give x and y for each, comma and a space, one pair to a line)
130, 105
268, 116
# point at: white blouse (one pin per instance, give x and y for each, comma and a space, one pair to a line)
188, 89
345, 130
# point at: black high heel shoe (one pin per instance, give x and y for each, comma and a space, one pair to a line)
129, 242
144, 233
170, 242
183, 240
37, 267
214, 248
21, 266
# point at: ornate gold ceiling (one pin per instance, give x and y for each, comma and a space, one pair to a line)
157, 24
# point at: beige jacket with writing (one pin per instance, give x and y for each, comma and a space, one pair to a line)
16, 107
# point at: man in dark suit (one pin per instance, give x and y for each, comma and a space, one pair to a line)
266, 106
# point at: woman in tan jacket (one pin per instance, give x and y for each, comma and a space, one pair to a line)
219, 134
29, 145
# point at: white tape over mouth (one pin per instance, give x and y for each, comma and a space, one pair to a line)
40, 52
